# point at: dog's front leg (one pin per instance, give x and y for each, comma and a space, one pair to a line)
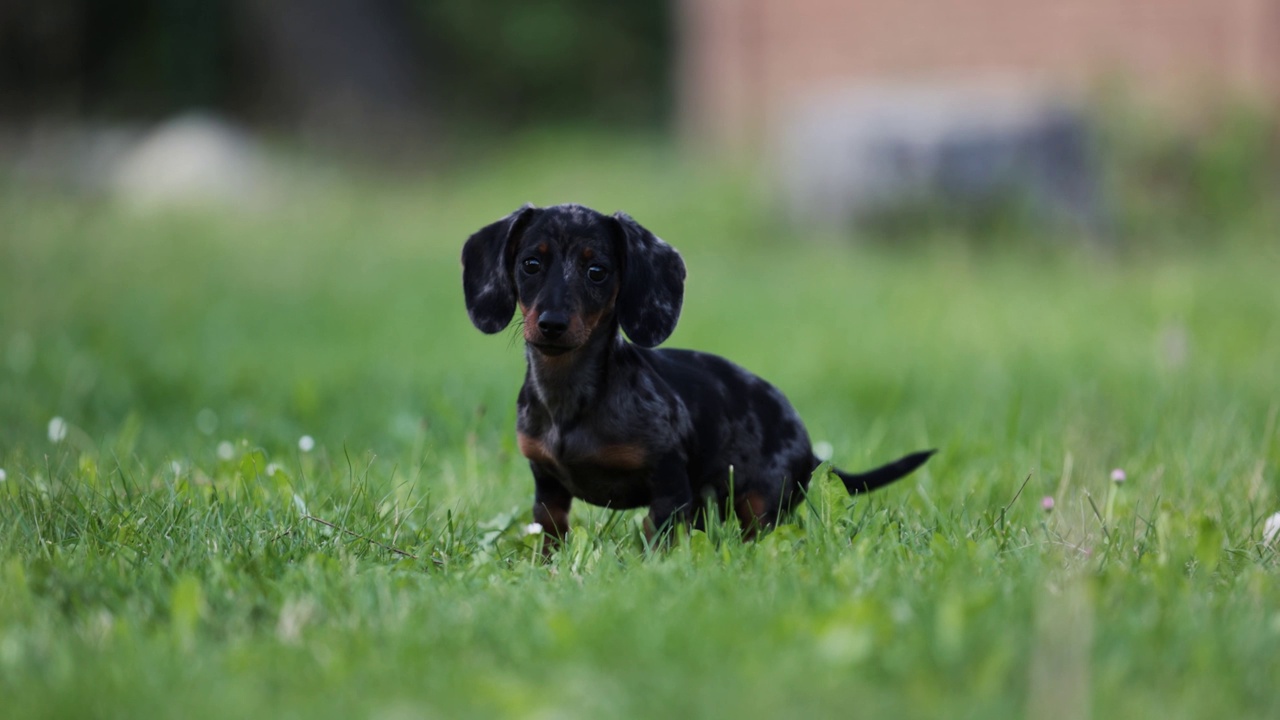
551, 503
671, 499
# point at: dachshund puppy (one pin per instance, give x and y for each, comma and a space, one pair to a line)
620, 424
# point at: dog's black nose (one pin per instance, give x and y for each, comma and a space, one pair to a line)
553, 324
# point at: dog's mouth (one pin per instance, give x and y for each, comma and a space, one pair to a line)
551, 349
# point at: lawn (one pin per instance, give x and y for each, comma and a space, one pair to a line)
259, 464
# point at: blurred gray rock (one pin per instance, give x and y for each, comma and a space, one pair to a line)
195, 159
848, 155
64, 155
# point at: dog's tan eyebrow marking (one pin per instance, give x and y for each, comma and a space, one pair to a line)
588, 254
543, 248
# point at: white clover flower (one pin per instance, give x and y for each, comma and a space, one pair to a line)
176, 467
1271, 529
57, 430
272, 469
2, 475
823, 450
1118, 477
533, 528
306, 443
226, 450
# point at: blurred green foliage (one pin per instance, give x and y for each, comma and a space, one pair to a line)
495, 65
508, 63
119, 59
1175, 182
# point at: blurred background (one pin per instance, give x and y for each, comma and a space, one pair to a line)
1039, 235
257, 208
851, 110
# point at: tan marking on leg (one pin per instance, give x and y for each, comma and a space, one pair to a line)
535, 450
750, 508
554, 520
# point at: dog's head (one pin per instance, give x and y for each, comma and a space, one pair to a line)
572, 271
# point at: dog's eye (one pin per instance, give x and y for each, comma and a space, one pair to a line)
531, 266
597, 273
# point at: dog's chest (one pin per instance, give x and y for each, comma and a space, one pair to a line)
598, 469
580, 447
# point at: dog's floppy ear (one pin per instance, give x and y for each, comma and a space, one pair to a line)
486, 271
652, 285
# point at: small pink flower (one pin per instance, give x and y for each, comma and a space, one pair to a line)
1118, 477
1047, 503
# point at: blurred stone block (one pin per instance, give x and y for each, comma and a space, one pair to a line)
195, 159
846, 156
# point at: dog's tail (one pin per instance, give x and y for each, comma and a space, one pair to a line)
870, 480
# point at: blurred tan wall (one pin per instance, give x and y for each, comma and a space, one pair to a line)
742, 61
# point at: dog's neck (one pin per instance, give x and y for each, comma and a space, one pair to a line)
568, 384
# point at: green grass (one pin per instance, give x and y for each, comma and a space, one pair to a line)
145, 572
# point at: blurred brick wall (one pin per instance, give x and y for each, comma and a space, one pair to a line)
743, 60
